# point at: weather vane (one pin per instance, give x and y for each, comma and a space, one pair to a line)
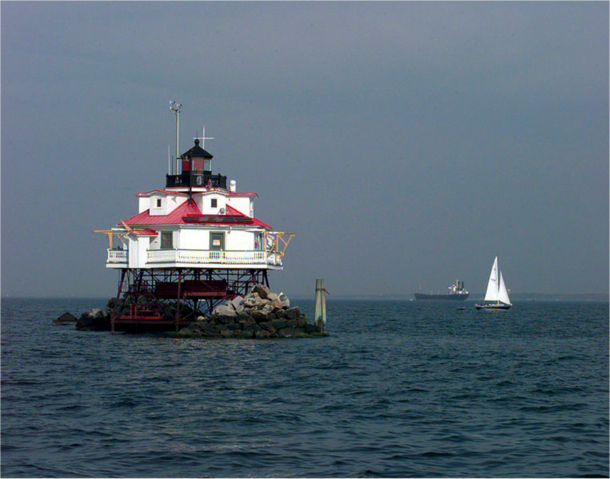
203, 138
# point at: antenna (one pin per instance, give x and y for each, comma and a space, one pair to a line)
203, 138
169, 162
175, 107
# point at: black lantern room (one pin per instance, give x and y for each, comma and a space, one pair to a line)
196, 166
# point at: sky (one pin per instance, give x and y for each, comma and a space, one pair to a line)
405, 144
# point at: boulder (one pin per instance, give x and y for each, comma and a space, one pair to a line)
238, 304
224, 310
284, 301
93, 321
262, 290
64, 319
276, 303
259, 316
279, 324
267, 326
253, 300
267, 309
292, 313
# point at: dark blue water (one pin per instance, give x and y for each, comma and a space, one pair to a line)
399, 389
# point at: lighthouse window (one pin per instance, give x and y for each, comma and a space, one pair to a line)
167, 240
214, 203
158, 202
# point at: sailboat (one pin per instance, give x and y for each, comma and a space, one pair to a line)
496, 294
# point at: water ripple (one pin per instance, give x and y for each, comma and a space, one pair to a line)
399, 389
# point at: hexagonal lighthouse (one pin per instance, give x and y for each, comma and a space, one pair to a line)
193, 244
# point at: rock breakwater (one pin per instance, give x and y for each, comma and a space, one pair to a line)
261, 314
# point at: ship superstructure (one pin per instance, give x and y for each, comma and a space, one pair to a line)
457, 292
192, 244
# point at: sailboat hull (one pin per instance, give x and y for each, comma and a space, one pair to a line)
493, 306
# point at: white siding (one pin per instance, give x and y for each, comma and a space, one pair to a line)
143, 203
242, 204
168, 203
173, 201
191, 238
204, 202
155, 242
199, 239
239, 240
144, 244
138, 246
160, 200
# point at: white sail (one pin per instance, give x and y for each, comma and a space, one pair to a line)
492, 286
502, 291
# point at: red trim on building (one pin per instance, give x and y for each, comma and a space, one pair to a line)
189, 213
248, 194
145, 232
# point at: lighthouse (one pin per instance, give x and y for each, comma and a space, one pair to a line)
193, 244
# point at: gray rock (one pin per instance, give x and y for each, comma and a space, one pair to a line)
310, 328
284, 301
253, 300
225, 310
262, 290
267, 309
237, 304
93, 322
66, 318
279, 324
267, 326
259, 316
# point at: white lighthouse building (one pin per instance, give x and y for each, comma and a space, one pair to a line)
193, 243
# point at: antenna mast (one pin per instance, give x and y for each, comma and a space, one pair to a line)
169, 162
175, 107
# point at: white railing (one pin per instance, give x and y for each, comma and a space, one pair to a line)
165, 256
206, 257
117, 256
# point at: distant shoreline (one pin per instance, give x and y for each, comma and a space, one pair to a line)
515, 297
474, 297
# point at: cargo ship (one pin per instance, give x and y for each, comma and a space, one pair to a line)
457, 292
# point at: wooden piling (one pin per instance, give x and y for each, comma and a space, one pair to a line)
320, 310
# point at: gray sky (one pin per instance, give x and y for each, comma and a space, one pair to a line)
404, 144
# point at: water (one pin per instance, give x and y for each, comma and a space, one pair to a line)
399, 389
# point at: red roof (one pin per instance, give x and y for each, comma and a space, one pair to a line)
232, 211
189, 209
